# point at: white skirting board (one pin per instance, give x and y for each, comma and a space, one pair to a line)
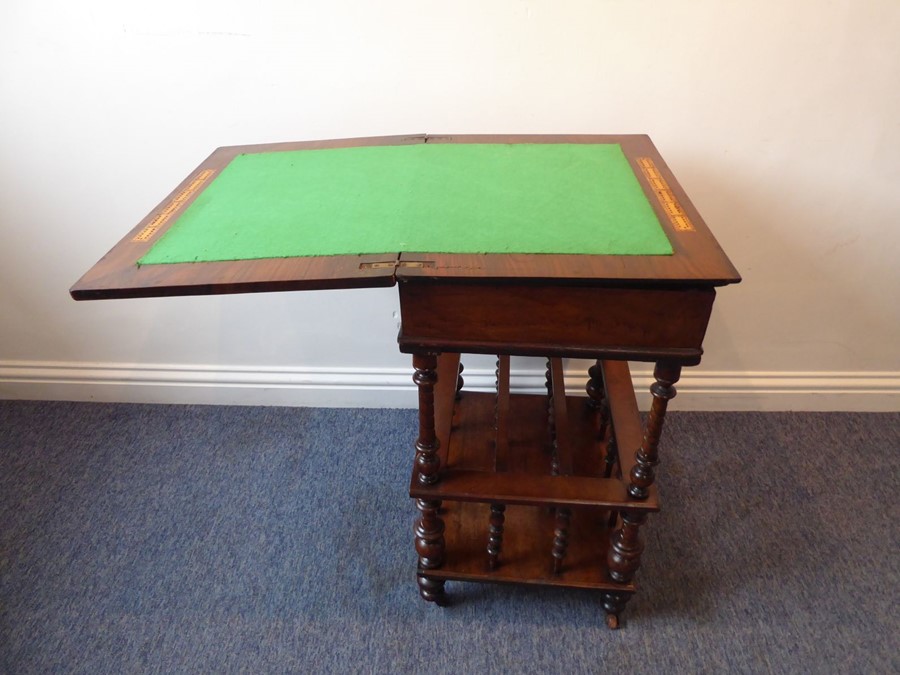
393, 388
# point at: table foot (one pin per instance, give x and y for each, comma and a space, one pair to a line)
432, 590
614, 603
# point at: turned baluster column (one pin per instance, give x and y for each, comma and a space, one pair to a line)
425, 377
551, 422
663, 390
495, 534
560, 538
501, 444
597, 398
625, 549
429, 529
623, 560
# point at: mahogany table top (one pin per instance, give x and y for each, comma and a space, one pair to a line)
696, 261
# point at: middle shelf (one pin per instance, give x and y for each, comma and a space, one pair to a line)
516, 464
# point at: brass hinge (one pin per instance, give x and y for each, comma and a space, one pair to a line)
418, 264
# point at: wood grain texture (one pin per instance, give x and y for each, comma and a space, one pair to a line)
554, 319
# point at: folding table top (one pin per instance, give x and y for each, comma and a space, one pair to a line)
369, 212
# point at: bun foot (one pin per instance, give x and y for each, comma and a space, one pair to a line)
432, 590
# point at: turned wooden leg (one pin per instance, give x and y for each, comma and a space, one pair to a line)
642, 474
459, 381
625, 548
429, 528
496, 404
548, 379
551, 423
430, 548
594, 386
597, 399
425, 378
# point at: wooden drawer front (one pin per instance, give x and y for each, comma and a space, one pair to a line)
553, 319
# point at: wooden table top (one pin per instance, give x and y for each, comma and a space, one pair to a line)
697, 259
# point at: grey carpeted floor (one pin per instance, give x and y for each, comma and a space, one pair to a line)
176, 539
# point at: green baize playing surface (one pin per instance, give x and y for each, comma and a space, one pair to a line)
427, 198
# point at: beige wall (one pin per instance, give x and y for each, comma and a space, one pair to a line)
782, 121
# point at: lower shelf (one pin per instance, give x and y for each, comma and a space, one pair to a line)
534, 454
528, 531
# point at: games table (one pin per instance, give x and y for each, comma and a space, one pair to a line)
552, 246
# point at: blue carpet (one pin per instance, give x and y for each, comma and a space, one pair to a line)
192, 539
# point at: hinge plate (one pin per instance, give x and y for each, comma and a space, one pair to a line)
418, 264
